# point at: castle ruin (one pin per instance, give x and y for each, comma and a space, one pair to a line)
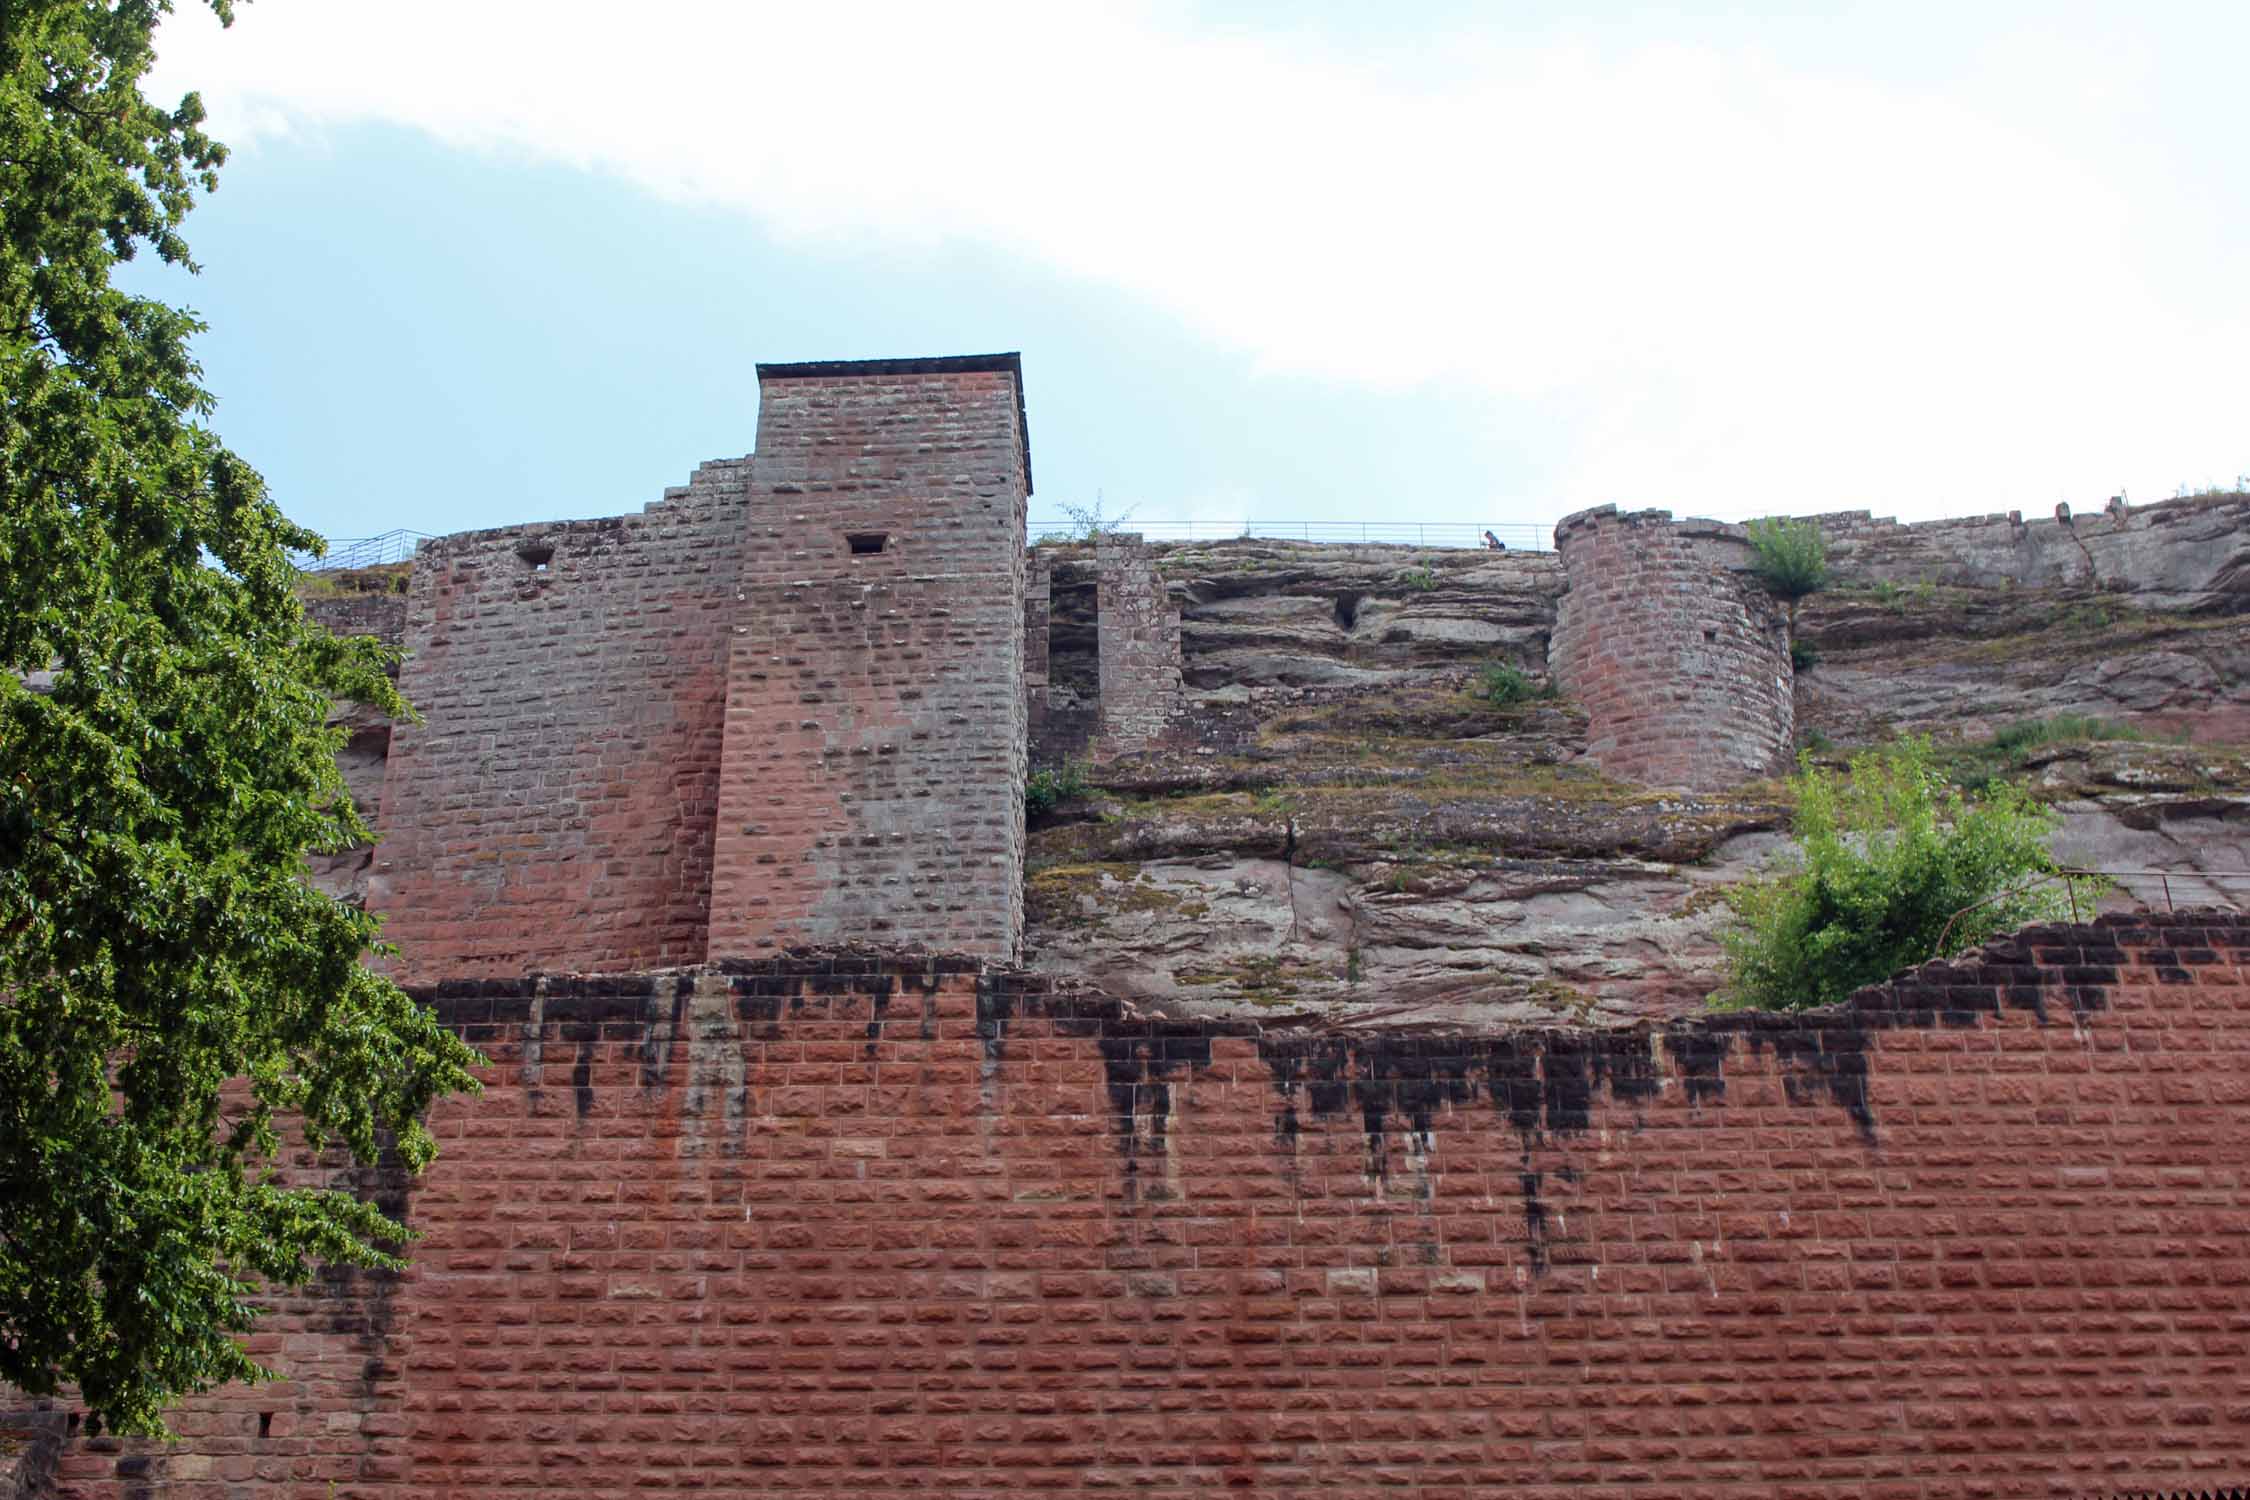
805, 689
821, 1154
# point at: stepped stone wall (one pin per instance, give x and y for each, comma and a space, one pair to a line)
1680, 658
554, 807
837, 620
841, 1223
875, 716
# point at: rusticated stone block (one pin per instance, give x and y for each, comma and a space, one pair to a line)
887, 1224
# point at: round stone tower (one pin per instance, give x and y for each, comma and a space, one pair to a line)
1680, 657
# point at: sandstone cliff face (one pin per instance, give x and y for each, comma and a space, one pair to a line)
1341, 827
1406, 850
1293, 614
1341, 824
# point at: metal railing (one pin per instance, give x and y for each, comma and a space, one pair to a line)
1516, 536
362, 551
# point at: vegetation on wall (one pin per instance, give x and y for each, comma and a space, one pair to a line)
1049, 787
165, 766
1896, 867
1501, 683
1789, 557
1087, 523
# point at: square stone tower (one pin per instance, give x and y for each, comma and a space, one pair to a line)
872, 772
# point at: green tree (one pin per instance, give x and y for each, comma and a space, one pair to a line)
170, 990
1789, 557
1091, 522
1890, 854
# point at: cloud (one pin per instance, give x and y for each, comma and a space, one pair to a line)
1725, 281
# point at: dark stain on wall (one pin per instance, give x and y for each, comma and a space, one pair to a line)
1544, 1082
1142, 1062
1535, 1221
1699, 1056
992, 1019
656, 1045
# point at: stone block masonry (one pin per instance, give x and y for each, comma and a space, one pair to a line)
382, 616
840, 1224
1139, 645
875, 718
30, 1440
554, 808
1680, 658
1062, 652
1038, 621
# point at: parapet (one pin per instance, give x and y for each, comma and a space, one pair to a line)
1680, 658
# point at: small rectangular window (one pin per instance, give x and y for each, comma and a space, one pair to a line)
866, 543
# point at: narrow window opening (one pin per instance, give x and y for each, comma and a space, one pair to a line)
538, 554
265, 1424
1347, 610
866, 543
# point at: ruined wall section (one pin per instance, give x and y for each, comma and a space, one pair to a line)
554, 808
875, 720
363, 604
1680, 658
1066, 712
1038, 623
840, 1223
1139, 645
353, 612
1260, 613
2190, 554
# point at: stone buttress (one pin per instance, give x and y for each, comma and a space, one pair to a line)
874, 760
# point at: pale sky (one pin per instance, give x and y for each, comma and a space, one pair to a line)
481, 261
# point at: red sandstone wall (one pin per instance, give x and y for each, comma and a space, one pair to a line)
1139, 645
1681, 662
875, 721
834, 1228
382, 616
554, 808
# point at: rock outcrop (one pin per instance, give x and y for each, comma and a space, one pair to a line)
1340, 825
